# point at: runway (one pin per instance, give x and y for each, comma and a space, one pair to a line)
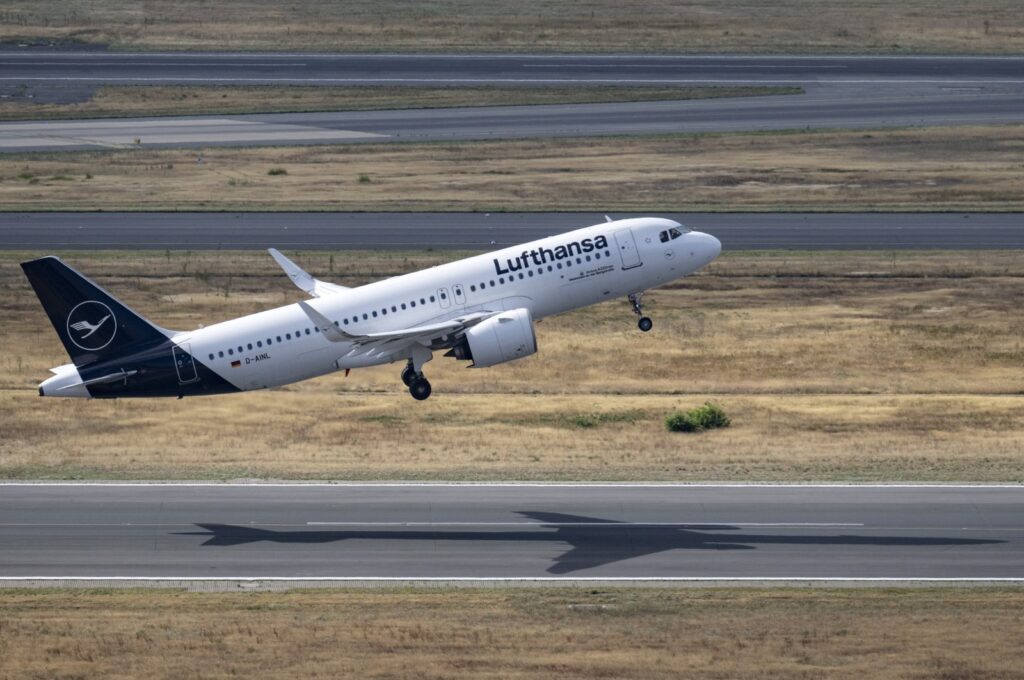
484, 231
271, 68
508, 531
841, 92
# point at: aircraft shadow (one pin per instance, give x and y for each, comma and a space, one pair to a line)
594, 541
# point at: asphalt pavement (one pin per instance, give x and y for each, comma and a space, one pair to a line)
511, 531
483, 231
840, 92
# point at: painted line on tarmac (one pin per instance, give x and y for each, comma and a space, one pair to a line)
539, 579
611, 524
545, 81
529, 484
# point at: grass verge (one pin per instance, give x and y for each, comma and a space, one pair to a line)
606, 26
564, 633
179, 100
846, 366
971, 168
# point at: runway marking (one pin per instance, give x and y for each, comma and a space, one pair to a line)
499, 579
158, 63
608, 524
539, 485
524, 57
548, 81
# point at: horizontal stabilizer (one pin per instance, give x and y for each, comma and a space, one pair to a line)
301, 278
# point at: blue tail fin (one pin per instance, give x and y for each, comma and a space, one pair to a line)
91, 322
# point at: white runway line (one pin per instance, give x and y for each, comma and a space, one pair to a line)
611, 524
539, 579
545, 81
530, 484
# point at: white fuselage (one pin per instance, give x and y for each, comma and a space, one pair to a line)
283, 345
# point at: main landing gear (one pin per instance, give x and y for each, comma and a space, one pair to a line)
412, 374
645, 324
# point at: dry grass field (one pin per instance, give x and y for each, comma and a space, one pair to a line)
181, 100
952, 168
557, 633
673, 26
859, 366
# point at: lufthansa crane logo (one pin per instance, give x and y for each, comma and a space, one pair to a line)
91, 325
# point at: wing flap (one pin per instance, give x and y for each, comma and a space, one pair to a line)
391, 340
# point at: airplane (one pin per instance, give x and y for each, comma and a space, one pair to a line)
480, 309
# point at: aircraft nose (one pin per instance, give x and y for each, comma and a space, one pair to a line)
710, 246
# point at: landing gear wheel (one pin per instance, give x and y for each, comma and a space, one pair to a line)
408, 373
419, 388
636, 302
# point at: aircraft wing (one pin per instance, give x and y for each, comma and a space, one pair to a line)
392, 341
301, 278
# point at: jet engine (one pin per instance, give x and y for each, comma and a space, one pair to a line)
503, 337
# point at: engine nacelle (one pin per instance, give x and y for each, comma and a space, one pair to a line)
503, 337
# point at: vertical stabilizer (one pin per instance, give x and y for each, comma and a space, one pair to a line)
92, 323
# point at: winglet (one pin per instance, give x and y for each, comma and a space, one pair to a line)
301, 278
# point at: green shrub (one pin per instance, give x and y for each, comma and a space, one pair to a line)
364, 179
706, 417
277, 171
681, 422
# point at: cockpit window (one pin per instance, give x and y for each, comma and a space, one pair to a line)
663, 236
675, 233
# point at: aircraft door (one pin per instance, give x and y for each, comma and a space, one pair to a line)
459, 293
442, 297
184, 364
627, 249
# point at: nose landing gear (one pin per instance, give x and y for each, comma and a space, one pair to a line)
644, 324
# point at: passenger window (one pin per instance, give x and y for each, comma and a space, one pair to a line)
597, 256
530, 273
444, 296
472, 288
346, 321
521, 275
433, 299
501, 280
231, 351
259, 343
307, 330
607, 253
279, 339
403, 305
287, 336
588, 258
239, 349
249, 346
393, 309
365, 317
211, 357
375, 314
492, 284
269, 343
423, 301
